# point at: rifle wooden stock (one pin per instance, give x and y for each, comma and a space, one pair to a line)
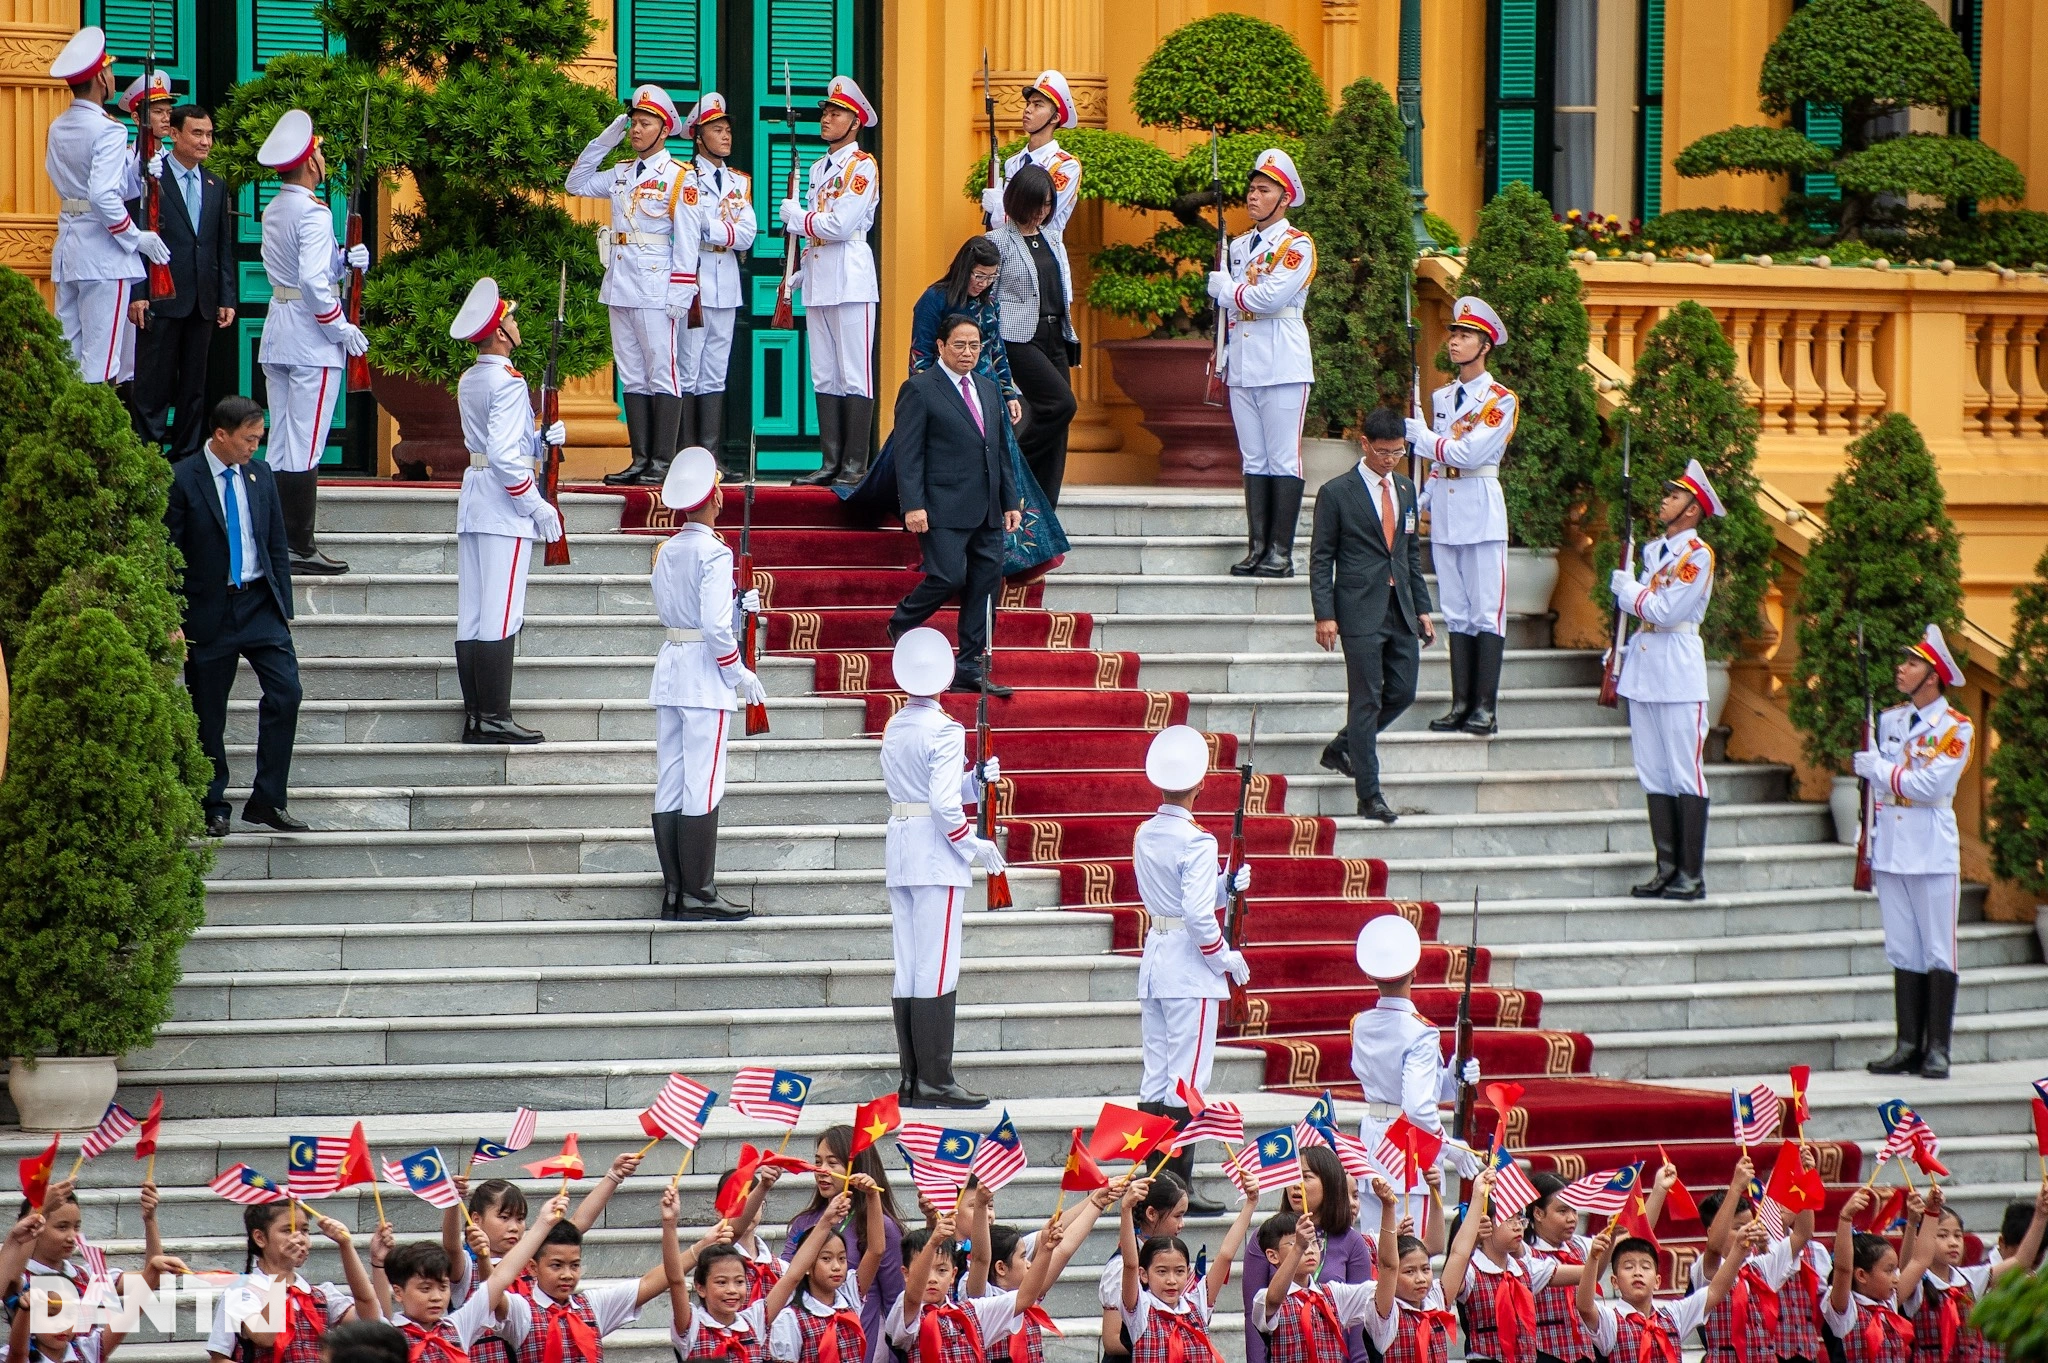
556, 554
743, 575
359, 365
1237, 1011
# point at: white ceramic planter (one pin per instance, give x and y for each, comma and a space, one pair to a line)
62, 1093
1532, 580
1845, 802
1322, 460
1717, 691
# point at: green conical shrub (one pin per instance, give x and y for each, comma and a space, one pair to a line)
2019, 769
35, 364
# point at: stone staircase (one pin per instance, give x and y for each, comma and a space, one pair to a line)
471, 928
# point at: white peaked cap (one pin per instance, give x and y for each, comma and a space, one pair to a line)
1934, 649
652, 99
480, 313
1694, 480
160, 90
1389, 947
82, 57
290, 142
846, 93
691, 477
923, 662
1178, 758
703, 111
1476, 314
1054, 87
1277, 165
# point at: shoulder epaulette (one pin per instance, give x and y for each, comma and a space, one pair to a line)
1501, 391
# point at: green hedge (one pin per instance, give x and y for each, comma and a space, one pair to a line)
2019, 769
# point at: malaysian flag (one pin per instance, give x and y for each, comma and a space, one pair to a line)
426, 1174
1604, 1194
523, 1123
679, 1111
999, 1156
1215, 1122
244, 1185
2041, 1091
921, 1140
940, 1161
1407, 1150
313, 1165
117, 1122
1756, 1115
769, 1095
1512, 1189
1274, 1159
100, 1280
1907, 1136
1351, 1152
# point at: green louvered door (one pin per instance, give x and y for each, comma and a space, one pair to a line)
1520, 143
1650, 110
128, 24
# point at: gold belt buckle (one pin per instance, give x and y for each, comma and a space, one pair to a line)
1452, 473
716, 250
621, 238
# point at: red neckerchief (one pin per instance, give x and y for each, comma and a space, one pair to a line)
581, 1338
1037, 1315
1949, 1315
1181, 1333
931, 1344
1419, 1339
303, 1307
1762, 1298
1876, 1319
732, 1344
1514, 1312
1314, 1304
828, 1343
1656, 1341
432, 1346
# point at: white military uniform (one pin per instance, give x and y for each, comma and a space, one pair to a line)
1181, 978
929, 844
97, 259
1397, 1057
1064, 168
726, 227
1915, 855
1664, 671
652, 262
302, 350
1471, 424
1266, 359
840, 291
494, 516
697, 671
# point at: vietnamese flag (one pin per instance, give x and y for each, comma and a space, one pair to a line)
2041, 1128
1124, 1133
355, 1165
1793, 1186
1879, 1217
568, 1164
1678, 1198
872, 1121
1082, 1174
35, 1174
145, 1144
1634, 1220
1802, 1111
736, 1187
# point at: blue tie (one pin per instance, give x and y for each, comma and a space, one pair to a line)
188, 180
233, 512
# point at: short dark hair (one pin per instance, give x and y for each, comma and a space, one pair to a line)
1028, 195
564, 1232
915, 1241
420, 1259
1869, 1250
1634, 1244
711, 1258
501, 1193
1276, 1228
1384, 423
2012, 1228
181, 114
233, 412
364, 1341
1002, 1243
953, 321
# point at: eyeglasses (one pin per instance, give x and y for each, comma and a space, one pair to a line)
973, 343
985, 276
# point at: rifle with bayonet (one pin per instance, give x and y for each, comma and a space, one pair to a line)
1461, 1119
162, 288
1610, 671
1237, 1011
785, 310
1415, 459
743, 572
988, 107
1214, 394
984, 818
556, 555
1866, 801
358, 187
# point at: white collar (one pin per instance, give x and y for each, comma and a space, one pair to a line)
1272, 231
1476, 385
652, 162
698, 526
1176, 812
1512, 1267
504, 361
922, 703
1038, 156
1933, 711
1373, 479
301, 189
1394, 1003
1678, 539
839, 156
298, 1280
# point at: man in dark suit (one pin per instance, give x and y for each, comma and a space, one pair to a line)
1367, 589
957, 492
175, 334
225, 518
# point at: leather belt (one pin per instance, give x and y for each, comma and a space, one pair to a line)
1451, 473
483, 461
286, 293
1280, 316
74, 205
1684, 627
684, 636
909, 809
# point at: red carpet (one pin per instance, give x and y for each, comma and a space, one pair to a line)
1072, 742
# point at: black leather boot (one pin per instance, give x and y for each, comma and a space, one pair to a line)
671, 870
859, 423
639, 421
1258, 519
1910, 989
831, 441
298, 496
465, 677
664, 436
932, 1025
697, 854
1278, 560
686, 422
1664, 834
1941, 1022
906, 1049
1486, 658
1691, 880
711, 429
1453, 719
494, 722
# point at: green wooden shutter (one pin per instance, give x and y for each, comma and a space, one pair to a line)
1967, 19
673, 44
1519, 60
127, 23
1650, 112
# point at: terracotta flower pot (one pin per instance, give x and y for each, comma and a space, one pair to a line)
1197, 443
429, 426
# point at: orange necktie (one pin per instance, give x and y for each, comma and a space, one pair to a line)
1387, 512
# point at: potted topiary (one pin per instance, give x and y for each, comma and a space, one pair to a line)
2019, 768
473, 102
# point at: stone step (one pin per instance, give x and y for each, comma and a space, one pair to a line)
825, 765
1418, 751
1608, 875
1200, 628
1811, 1001
434, 551
574, 635
1215, 513
1597, 924
1321, 712
1163, 555
384, 509
1591, 831
362, 594
1769, 957
364, 674
1509, 792
2018, 1031
1292, 671
1980, 1098
774, 807
796, 719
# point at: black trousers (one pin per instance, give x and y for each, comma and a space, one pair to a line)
1040, 368
1379, 683
170, 372
967, 564
260, 633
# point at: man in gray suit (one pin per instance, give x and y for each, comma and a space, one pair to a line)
1367, 589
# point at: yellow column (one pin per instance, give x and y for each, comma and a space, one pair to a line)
1343, 46
2014, 106
1713, 52
1453, 106
32, 32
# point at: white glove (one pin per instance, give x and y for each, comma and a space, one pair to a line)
1242, 881
992, 204
1219, 285
615, 132
991, 770
1870, 766
678, 312
742, 679
152, 248
1623, 582
557, 434
353, 340
793, 214
1235, 966
1419, 434
359, 257
1471, 1074
986, 852
750, 601
156, 161
548, 521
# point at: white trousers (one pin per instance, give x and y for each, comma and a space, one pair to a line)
1472, 586
1669, 739
689, 758
1415, 1204
302, 398
703, 353
1919, 919
94, 315
644, 349
1179, 1037
490, 585
842, 348
924, 933
1268, 420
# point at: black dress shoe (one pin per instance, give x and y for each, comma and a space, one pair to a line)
691, 909
317, 564
280, 819
1378, 808
1337, 757
216, 825
973, 681
947, 1095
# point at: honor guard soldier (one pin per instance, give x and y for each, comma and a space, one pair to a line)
499, 515
100, 250
160, 101
1398, 1058
1048, 108
1914, 764
1184, 973
306, 340
839, 285
930, 847
1474, 418
726, 229
650, 273
1664, 677
1267, 360
699, 681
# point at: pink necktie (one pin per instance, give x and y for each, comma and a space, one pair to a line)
974, 407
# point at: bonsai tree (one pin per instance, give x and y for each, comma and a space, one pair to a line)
1357, 211
1889, 561
1519, 263
1683, 404
471, 99
2019, 768
1868, 59
1240, 79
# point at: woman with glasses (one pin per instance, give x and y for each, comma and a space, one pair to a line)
1034, 294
